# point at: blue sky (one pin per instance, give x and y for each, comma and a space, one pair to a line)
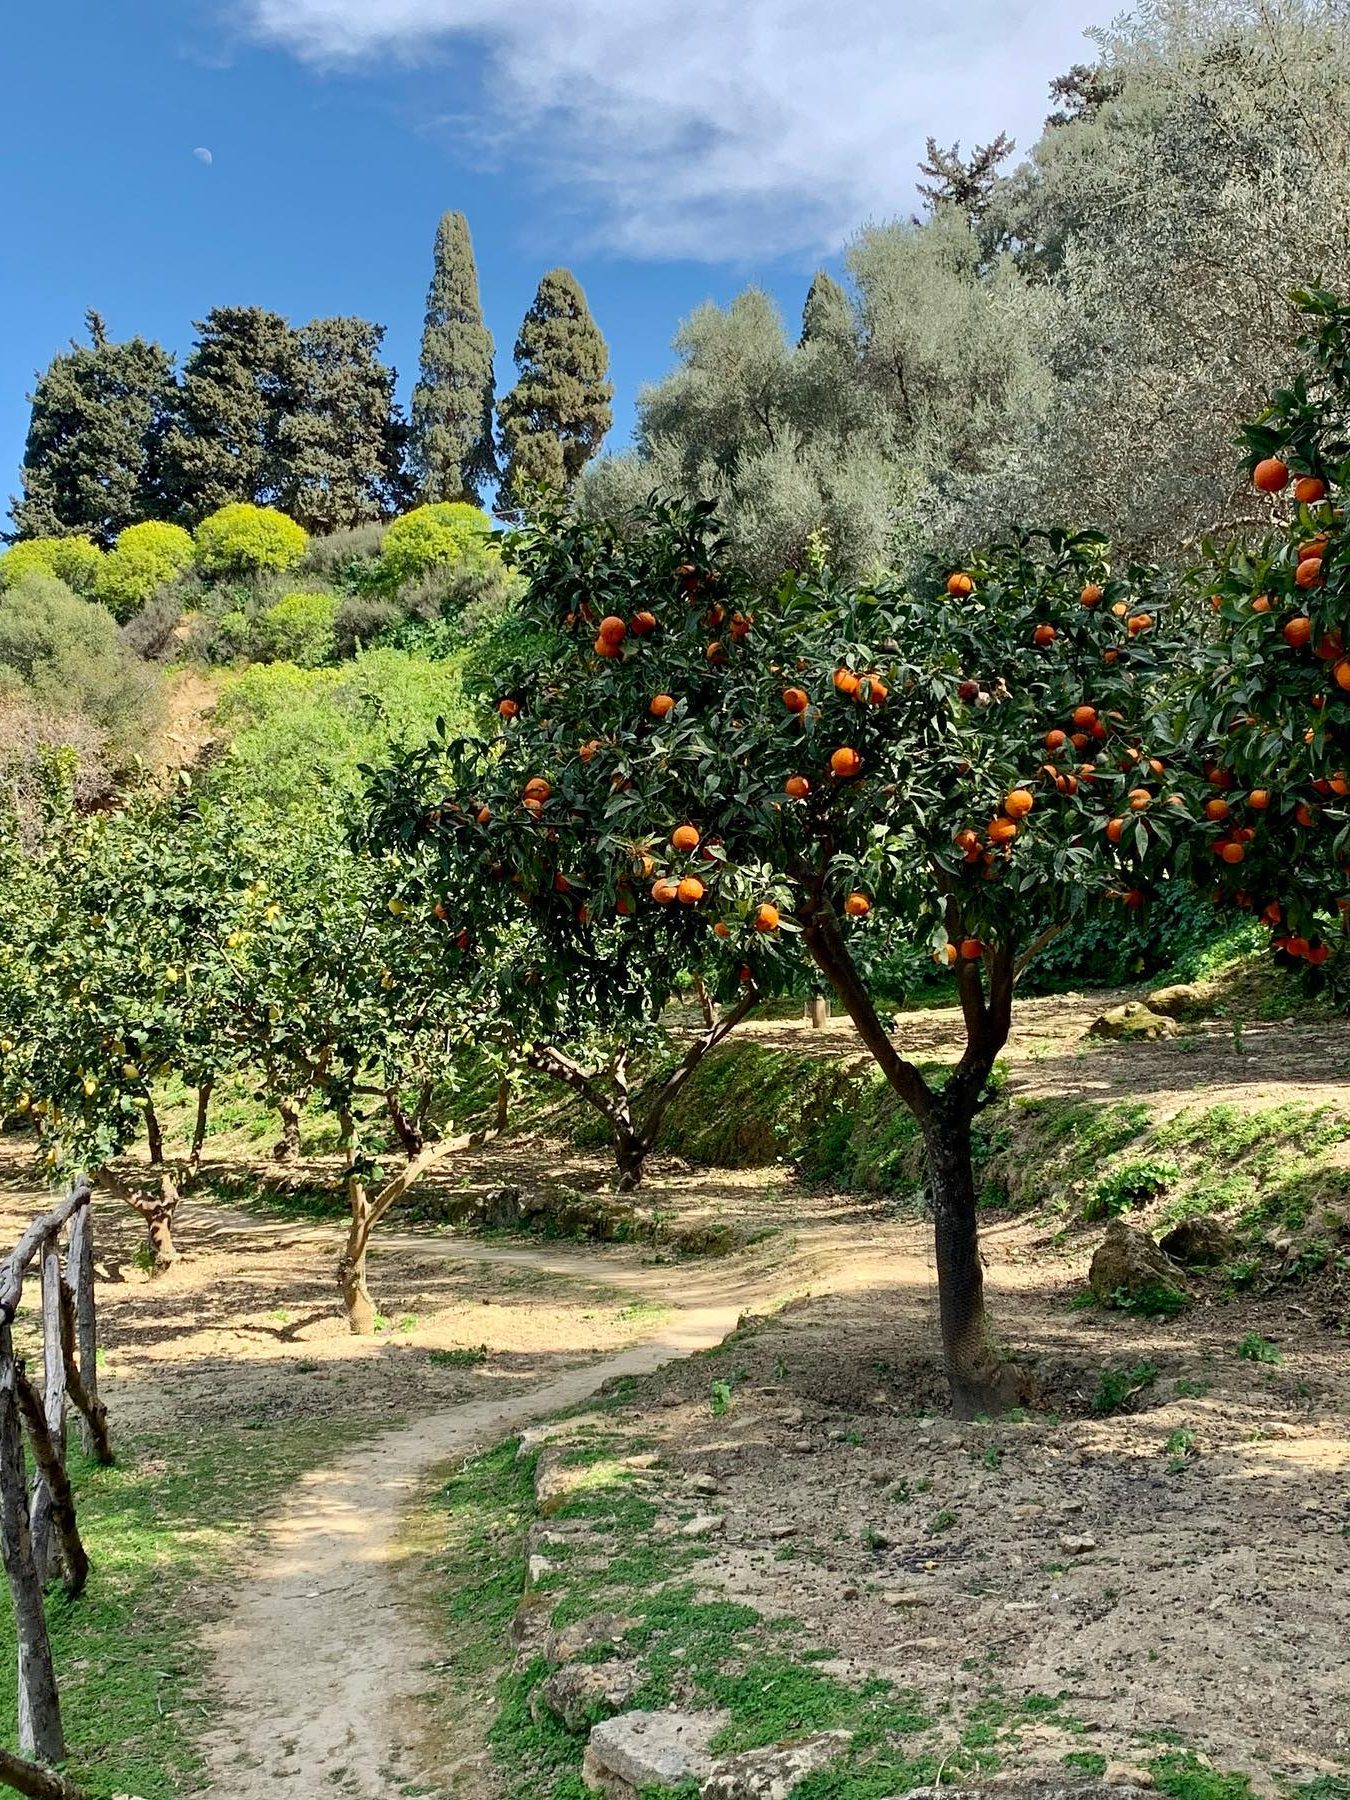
668, 151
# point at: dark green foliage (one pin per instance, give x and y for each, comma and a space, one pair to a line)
1118, 1387
452, 445
341, 440
1132, 1184
93, 459
827, 317
555, 418
237, 388
966, 183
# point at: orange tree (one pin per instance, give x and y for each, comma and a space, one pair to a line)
1270, 697
686, 774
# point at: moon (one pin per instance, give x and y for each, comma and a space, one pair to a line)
203, 155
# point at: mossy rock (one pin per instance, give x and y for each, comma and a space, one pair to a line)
1131, 1272
1132, 1023
1184, 1000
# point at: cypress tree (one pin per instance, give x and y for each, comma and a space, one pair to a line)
93, 459
340, 446
238, 386
555, 418
826, 316
452, 448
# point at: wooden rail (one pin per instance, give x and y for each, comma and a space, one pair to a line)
39, 1535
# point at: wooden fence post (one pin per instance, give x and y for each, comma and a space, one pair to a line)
40, 1732
46, 1557
80, 1270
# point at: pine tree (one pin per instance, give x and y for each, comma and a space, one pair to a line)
1082, 93
452, 448
555, 418
238, 386
93, 460
827, 316
340, 446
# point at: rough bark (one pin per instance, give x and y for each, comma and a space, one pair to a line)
55, 1484
199, 1124
40, 1732
80, 1336
157, 1213
287, 1147
36, 1782
52, 1415
15, 1266
351, 1269
974, 1372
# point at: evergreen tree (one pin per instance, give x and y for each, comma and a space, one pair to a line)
340, 444
453, 451
93, 460
826, 316
967, 183
555, 418
1082, 93
238, 386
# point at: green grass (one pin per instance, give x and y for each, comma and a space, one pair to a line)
1118, 1387
162, 1526
1255, 1348
458, 1358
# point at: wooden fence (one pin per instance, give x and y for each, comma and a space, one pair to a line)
39, 1535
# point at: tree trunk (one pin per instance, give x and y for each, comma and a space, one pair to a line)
199, 1125
159, 1215
287, 1147
979, 1381
630, 1153
351, 1269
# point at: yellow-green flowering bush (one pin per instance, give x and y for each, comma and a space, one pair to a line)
142, 560
243, 539
431, 537
74, 560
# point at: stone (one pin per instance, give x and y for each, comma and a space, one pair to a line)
906, 1597
554, 1481
501, 1209
774, 1773
1127, 1262
597, 1631
580, 1693
705, 1484
649, 1749
529, 1626
1078, 1546
703, 1525
1184, 1000
1133, 1022
1198, 1243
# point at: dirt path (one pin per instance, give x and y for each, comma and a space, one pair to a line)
318, 1663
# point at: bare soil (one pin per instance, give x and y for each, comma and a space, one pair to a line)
1213, 1600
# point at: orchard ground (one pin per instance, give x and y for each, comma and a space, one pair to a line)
295, 1589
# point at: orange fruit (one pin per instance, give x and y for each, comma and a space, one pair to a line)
1120, 609
740, 624
690, 891
796, 699
483, 815
1340, 783
1217, 809
1259, 799
1270, 475
588, 749
1138, 622
797, 786
857, 906
608, 647
1018, 803
560, 883
612, 629
1342, 674
1139, 799
721, 929
685, 837
846, 762
1092, 595
1261, 604
536, 788
971, 949
508, 708
766, 918
643, 624
1232, 853
662, 706
1314, 547
1085, 715
1054, 740
1329, 646
1216, 603
875, 690
716, 653
1002, 830
1305, 815
846, 682
1308, 490
664, 891
1043, 636
1309, 572
960, 586
1298, 631
1115, 829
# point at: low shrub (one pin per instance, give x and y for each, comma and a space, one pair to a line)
151, 633
348, 560
361, 618
74, 560
67, 655
298, 628
242, 539
144, 558
437, 536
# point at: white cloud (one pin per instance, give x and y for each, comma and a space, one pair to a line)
721, 128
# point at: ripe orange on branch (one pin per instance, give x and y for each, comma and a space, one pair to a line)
960, 586
797, 786
1044, 635
796, 699
1270, 475
690, 890
644, 623
1018, 803
845, 763
846, 682
1298, 631
662, 706
1308, 490
613, 629
857, 906
685, 837
766, 918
